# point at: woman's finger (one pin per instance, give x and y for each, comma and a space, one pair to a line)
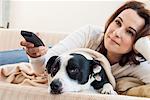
26, 44
43, 51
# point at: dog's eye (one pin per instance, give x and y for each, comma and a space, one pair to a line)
74, 71
54, 69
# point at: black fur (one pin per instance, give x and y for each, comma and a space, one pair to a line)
104, 79
78, 68
53, 65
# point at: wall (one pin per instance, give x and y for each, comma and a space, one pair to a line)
59, 16
0, 13
4, 13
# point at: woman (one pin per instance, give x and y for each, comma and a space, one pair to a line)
120, 43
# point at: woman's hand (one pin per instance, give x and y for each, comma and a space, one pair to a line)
35, 52
32, 51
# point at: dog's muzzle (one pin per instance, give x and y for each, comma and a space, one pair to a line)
56, 86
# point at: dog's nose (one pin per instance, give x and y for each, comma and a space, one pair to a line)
56, 86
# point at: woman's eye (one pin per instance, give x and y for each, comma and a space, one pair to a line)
118, 23
130, 32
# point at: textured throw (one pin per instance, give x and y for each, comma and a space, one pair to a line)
133, 87
23, 74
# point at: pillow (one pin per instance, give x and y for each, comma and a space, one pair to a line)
13, 56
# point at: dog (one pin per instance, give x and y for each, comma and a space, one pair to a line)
73, 72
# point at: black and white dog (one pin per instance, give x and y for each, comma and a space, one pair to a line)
77, 72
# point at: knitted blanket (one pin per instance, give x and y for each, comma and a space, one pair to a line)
22, 74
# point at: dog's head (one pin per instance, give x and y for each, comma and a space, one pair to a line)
70, 72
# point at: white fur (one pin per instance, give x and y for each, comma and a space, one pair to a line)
97, 69
67, 83
107, 89
70, 85
98, 78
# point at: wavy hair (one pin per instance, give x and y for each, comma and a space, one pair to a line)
139, 7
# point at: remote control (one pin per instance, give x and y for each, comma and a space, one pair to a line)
31, 37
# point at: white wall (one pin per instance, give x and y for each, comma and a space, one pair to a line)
4, 12
0, 13
60, 16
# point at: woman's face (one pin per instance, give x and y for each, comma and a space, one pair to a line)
121, 33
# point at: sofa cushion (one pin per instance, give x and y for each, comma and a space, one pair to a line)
13, 56
10, 38
22, 92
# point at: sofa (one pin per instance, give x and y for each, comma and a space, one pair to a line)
9, 41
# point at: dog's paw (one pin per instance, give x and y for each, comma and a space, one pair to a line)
107, 89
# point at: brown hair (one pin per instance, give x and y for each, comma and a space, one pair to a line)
142, 12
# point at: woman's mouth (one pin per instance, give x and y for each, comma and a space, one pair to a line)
113, 40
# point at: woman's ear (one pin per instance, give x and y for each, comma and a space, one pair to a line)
142, 46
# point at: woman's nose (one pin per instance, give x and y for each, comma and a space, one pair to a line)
117, 33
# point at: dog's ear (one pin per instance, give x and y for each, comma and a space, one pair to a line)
85, 71
53, 65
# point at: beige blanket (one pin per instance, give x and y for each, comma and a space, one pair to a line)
133, 87
23, 74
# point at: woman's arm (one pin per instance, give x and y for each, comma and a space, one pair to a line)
142, 71
142, 45
78, 39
